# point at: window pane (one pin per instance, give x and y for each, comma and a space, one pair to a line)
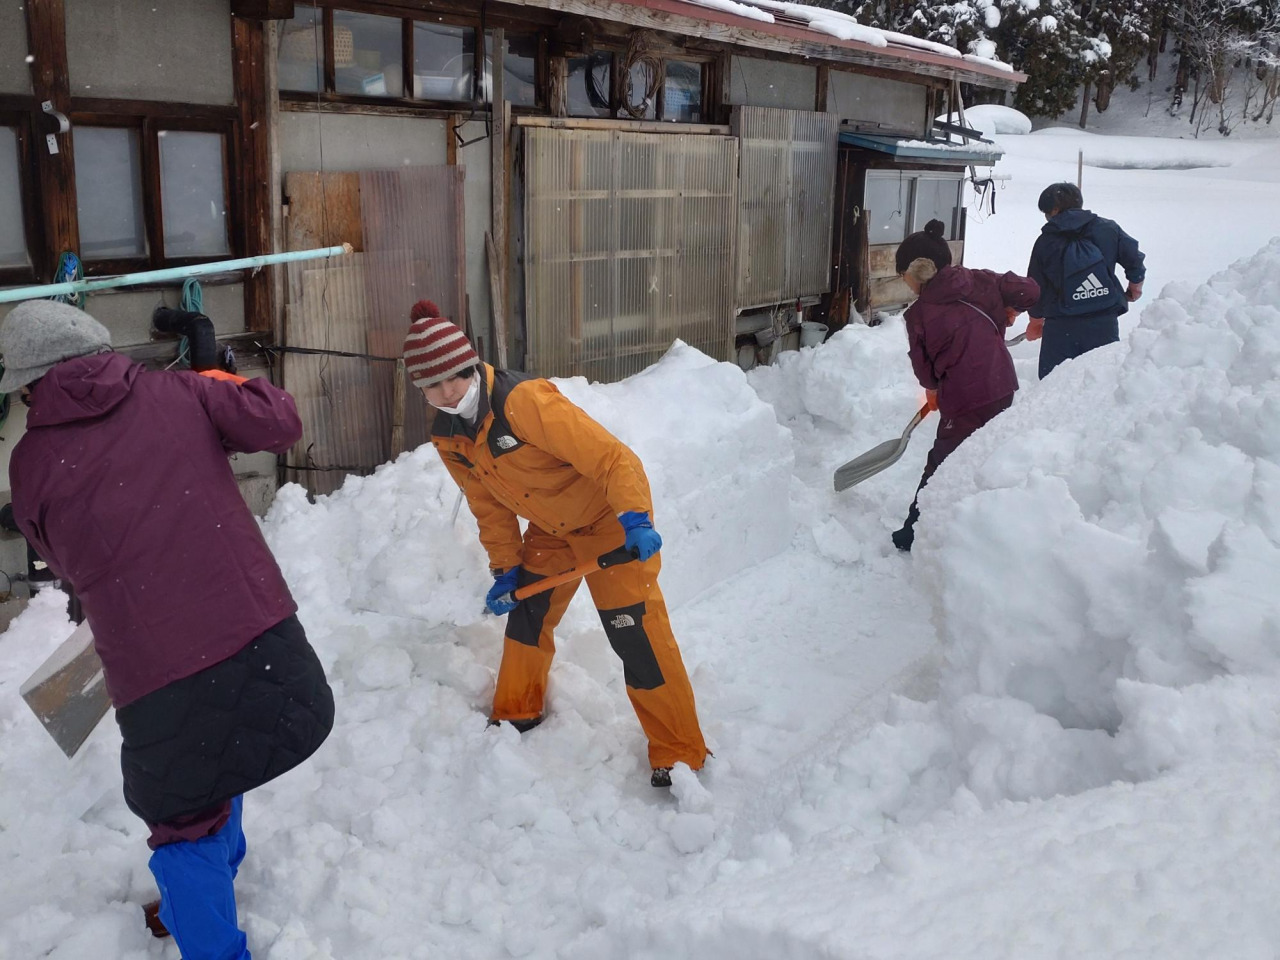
367, 54
589, 85
519, 70
443, 60
301, 64
109, 193
193, 194
13, 236
887, 202
682, 94
938, 200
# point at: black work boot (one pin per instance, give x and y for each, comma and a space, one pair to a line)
523, 726
661, 777
151, 914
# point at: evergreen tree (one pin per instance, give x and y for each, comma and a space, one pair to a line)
1047, 41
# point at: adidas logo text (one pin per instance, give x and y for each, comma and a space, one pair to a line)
622, 620
1089, 288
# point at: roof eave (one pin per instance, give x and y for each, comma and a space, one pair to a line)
677, 16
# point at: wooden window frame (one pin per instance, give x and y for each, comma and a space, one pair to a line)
20, 120
480, 25
149, 119
707, 63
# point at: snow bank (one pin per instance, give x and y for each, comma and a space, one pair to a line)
989, 118
1131, 153
1103, 558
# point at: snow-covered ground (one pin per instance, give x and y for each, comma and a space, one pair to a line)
1053, 730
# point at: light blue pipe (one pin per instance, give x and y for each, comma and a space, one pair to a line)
170, 273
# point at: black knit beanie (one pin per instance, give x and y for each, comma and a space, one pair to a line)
927, 244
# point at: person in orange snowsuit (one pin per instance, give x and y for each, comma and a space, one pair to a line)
519, 449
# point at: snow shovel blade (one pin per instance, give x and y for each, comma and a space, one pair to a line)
1018, 339
68, 693
877, 458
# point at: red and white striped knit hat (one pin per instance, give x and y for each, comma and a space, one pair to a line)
435, 348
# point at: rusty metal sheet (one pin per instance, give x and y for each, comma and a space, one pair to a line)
786, 203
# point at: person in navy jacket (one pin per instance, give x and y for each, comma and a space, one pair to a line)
1074, 262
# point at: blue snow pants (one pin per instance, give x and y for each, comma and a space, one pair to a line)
197, 898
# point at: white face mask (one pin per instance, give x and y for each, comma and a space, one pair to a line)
470, 402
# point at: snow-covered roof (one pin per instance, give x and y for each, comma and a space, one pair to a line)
975, 152
799, 28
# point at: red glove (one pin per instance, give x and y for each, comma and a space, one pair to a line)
1035, 328
1134, 292
931, 399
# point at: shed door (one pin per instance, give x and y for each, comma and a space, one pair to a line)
628, 246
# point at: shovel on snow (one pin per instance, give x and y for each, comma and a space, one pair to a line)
68, 693
878, 457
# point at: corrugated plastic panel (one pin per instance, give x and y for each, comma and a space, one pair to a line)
629, 246
786, 203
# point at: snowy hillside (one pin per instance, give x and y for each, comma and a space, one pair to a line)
1050, 731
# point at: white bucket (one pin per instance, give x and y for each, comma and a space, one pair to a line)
812, 334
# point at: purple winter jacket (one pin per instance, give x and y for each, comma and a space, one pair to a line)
123, 487
954, 348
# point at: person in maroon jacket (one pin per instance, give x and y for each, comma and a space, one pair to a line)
122, 485
956, 334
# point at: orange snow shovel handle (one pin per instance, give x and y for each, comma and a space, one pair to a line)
611, 559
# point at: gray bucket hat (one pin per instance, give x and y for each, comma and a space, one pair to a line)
39, 334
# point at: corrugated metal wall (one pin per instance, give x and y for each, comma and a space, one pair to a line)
410, 222
786, 194
629, 246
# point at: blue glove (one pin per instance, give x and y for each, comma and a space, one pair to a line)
642, 539
499, 601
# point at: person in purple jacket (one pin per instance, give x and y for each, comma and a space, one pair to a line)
955, 330
122, 485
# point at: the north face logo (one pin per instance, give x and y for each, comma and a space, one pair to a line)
507, 442
1089, 288
622, 620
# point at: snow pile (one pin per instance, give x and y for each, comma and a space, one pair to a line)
1132, 153
989, 118
1103, 558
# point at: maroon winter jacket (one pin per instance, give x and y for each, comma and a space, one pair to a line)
123, 487
954, 348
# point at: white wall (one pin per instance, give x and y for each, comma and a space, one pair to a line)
15, 74
772, 83
878, 102
150, 50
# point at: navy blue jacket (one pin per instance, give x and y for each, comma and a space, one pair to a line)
1048, 258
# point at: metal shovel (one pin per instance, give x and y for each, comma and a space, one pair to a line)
878, 457
68, 693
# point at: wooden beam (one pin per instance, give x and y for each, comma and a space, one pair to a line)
623, 126
497, 244
47, 41
820, 92
252, 181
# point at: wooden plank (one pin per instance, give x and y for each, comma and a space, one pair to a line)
398, 400
324, 210
253, 200
47, 41
883, 256
623, 126
889, 291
